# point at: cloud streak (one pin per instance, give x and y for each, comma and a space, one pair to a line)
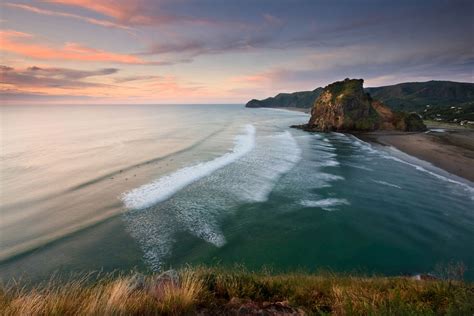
235, 49
36, 77
23, 44
37, 10
133, 13
58, 83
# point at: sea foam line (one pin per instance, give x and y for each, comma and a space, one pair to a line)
469, 189
390, 154
326, 204
386, 183
165, 187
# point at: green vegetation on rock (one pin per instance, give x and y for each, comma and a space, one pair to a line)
345, 106
304, 99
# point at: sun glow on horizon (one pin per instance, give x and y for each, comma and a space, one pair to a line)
83, 51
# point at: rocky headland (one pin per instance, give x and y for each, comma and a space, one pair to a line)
344, 106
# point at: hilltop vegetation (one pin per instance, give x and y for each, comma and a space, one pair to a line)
215, 291
414, 96
409, 97
303, 99
452, 114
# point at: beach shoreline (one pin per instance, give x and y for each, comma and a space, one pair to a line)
294, 109
449, 149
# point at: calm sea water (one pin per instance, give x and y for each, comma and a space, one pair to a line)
104, 187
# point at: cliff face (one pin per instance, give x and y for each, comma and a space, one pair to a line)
344, 106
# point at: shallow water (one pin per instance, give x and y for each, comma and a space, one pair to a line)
113, 187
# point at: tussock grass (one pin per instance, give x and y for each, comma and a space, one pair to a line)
220, 291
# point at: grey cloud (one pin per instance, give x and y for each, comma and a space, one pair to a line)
51, 77
135, 78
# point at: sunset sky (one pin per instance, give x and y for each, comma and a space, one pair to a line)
149, 51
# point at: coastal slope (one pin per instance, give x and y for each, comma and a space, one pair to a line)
431, 99
303, 99
414, 96
218, 291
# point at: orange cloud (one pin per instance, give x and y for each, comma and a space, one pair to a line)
133, 12
22, 44
126, 11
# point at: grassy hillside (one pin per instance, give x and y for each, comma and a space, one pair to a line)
414, 96
409, 96
216, 291
303, 99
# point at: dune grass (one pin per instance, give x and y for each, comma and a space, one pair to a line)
217, 291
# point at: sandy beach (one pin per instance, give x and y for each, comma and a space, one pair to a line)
451, 149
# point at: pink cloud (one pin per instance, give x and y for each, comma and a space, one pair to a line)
128, 12
22, 44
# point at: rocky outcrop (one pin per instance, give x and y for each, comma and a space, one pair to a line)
345, 106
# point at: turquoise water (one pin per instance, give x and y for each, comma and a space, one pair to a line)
114, 187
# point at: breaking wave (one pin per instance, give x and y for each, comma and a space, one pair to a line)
162, 189
326, 204
248, 174
466, 187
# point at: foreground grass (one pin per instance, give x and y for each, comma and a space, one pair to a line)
238, 292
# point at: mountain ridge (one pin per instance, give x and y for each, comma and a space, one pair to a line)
406, 96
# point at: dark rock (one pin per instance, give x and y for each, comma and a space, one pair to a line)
237, 306
424, 277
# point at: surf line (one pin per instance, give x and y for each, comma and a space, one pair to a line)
165, 187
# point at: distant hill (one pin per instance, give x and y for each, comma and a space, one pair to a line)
414, 96
303, 99
409, 96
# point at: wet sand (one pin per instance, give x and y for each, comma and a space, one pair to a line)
451, 149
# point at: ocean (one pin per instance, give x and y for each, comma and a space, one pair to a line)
152, 187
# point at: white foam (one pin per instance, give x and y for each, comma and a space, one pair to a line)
165, 187
353, 165
275, 156
387, 184
198, 209
436, 130
363, 145
295, 112
326, 204
329, 163
449, 178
